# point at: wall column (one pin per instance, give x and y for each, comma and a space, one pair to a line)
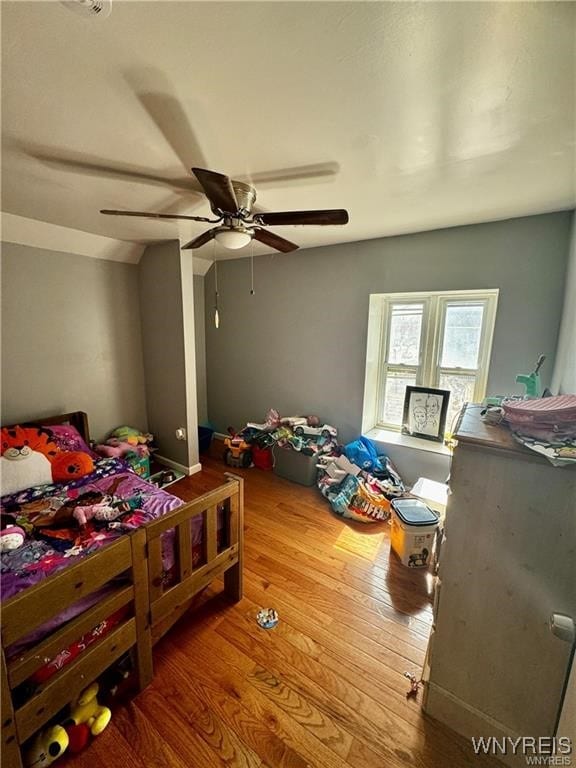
167, 312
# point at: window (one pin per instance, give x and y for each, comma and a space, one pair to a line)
438, 340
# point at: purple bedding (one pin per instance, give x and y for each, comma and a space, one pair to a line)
48, 550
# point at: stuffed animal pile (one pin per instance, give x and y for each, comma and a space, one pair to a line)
87, 719
124, 441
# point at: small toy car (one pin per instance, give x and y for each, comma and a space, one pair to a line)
325, 431
294, 421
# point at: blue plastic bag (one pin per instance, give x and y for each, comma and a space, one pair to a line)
363, 453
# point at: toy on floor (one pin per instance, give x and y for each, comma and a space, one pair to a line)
415, 684
87, 719
86, 709
78, 737
267, 618
46, 747
324, 430
237, 452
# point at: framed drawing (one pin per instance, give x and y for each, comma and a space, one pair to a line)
425, 412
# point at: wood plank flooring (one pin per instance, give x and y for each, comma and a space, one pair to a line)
325, 688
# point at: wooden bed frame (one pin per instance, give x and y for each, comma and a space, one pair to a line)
152, 610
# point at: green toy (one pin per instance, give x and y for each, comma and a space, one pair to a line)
131, 435
532, 380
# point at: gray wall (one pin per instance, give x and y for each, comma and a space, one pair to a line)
299, 344
167, 310
71, 338
564, 379
200, 341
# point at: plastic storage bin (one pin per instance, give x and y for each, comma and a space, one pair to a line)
295, 466
204, 438
262, 458
413, 532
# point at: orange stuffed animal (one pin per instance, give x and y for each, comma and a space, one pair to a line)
36, 438
19, 443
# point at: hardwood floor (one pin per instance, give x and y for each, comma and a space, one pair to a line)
325, 688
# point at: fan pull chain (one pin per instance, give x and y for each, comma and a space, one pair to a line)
216, 315
252, 268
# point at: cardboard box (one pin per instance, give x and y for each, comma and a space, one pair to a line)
139, 464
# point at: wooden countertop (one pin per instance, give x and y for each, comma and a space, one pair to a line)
473, 430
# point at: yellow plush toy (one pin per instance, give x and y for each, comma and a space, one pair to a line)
46, 747
87, 710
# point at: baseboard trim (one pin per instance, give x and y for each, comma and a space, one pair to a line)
180, 467
468, 721
220, 435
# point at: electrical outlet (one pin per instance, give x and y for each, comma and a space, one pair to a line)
180, 433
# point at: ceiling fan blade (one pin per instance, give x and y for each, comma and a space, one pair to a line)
285, 176
201, 240
157, 95
321, 218
218, 189
168, 115
117, 172
274, 241
146, 215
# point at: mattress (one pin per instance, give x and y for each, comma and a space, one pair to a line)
48, 549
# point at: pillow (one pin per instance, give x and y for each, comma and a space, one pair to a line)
67, 438
35, 455
28, 469
37, 439
70, 465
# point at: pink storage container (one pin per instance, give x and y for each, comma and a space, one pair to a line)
546, 417
545, 410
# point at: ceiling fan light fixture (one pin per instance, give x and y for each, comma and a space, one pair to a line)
233, 238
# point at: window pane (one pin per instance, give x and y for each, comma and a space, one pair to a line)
462, 329
396, 383
405, 330
461, 391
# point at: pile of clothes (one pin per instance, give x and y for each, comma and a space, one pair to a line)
358, 482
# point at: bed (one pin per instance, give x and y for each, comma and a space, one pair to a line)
143, 569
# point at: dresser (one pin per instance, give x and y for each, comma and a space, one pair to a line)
507, 561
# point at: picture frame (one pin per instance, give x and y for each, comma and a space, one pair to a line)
425, 412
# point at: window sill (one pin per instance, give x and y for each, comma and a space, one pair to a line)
406, 441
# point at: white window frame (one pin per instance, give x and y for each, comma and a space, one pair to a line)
428, 370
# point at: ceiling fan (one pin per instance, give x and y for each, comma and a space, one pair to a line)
232, 203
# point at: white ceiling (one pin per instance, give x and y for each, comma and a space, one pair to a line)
416, 115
